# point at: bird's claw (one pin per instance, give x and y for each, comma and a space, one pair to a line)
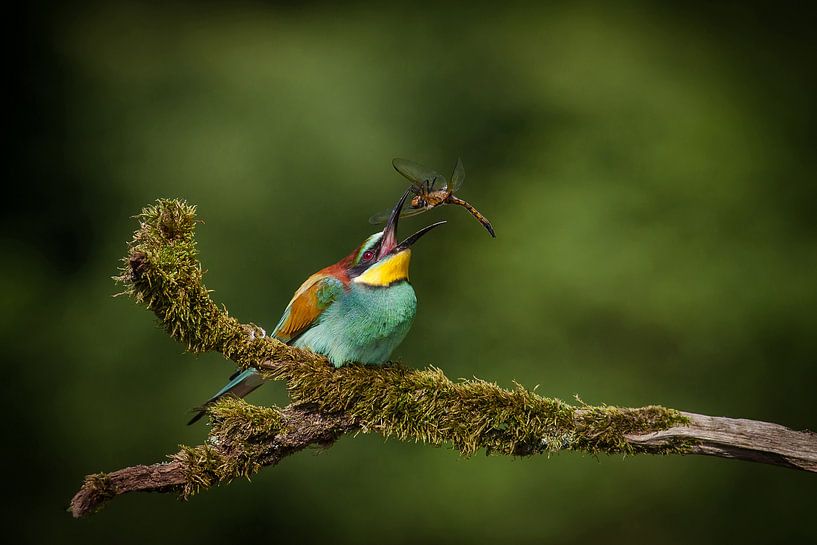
254, 331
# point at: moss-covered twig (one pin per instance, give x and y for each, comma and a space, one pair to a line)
162, 271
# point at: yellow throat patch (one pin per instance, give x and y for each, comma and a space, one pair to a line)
392, 269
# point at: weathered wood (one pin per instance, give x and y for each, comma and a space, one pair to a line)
101, 487
741, 439
302, 428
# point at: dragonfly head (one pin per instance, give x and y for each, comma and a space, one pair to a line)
418, 202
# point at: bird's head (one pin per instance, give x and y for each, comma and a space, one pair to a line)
380, 261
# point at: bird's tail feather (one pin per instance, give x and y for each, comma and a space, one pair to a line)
241, 383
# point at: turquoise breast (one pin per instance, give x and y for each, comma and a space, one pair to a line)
364, 325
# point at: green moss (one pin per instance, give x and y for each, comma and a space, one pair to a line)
162, 271
239, 444
602, 429
425, 406
236, 419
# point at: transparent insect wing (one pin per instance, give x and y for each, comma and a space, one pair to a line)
458, 177
408, 212
418, 174
383, 217
380, 217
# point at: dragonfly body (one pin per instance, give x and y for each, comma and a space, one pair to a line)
423, 183
430, 200
474, 212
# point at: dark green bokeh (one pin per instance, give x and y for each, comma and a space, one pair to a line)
651, 177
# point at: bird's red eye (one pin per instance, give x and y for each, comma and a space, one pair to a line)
368, 255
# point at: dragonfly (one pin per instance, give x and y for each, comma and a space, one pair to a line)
431, 189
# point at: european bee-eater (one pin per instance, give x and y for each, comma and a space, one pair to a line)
357, 310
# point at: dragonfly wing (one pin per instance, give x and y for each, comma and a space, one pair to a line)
417, 174
458, 177
407, 213
382, 217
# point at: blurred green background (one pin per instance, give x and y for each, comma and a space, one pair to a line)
650, 173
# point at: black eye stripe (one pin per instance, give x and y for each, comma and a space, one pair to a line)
363, 261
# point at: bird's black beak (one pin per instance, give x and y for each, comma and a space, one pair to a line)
388, 242
416, 236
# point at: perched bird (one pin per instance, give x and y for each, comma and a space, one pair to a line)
357, 310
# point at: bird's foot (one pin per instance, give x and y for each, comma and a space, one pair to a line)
254, 331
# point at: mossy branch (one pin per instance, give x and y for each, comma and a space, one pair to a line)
162, 272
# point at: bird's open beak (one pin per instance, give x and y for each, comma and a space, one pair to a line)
389, 241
